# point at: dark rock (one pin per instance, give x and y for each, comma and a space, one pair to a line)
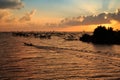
102, 35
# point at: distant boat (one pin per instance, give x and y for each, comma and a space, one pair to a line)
70, 38
28, 44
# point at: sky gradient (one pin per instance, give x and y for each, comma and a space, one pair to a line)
58, 15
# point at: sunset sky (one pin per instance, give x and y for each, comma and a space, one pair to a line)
58, 15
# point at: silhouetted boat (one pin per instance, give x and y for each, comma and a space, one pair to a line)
28, 44
70, 38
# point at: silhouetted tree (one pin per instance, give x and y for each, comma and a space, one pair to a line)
86, 38
103, 35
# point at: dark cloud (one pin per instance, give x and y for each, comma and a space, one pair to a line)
99, 19
103, 18
11, 4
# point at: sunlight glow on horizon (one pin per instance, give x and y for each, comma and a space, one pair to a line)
67, 15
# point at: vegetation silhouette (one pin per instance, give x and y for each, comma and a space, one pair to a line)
102, 35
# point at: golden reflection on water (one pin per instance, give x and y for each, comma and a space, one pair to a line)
21, 62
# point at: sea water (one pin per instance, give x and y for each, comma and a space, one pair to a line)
57, 59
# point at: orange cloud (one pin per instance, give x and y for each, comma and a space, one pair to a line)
27, 16
4, 14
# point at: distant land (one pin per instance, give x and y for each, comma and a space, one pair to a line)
102, 35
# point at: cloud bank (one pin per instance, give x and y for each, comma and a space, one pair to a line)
11, 4
6, 16
102, 18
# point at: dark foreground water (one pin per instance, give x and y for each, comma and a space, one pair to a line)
57, 59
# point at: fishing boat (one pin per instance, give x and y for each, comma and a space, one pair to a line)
28, 44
